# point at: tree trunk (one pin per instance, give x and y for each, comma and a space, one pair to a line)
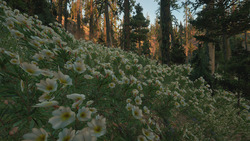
126, 45
226, 46
211, 48
91, 21
165, 28
246, 39
60, 11
79, 9
108, 29
65, 14
186, 35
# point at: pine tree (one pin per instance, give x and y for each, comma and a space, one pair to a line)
139, 25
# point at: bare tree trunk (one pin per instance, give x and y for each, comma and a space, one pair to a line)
91, 21
79, 10
60, 11
186, 35
246, 39
226, 46
65, 15
126, 45
211, 48
108, 29
165, 30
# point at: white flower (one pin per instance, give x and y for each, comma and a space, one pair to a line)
77, 104
129, 107
62, 117
135, 92
98, 126
84, 114
89, 102
88, 76
158, 92
49, 85
47, 72
136, 61
128, 100
125, 80
111, 85
14, 61
136, 112
45, 97
36, 135
146, 132
84, 135
16, 33
38, 57
46, 104
108, 72
31, 69
35, 43
22, 85
47, 53
66, 135
93, 110
79, 67
141, 138
146, 110
177, 104
64, 79
139, 86
138, 100
127, 67
76, 97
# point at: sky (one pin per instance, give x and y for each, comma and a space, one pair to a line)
150, 7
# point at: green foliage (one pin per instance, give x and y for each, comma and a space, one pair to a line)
200, 64
177, 52
139, 26
41, 8
145, 47
235, 72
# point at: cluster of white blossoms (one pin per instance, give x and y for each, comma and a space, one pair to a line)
59, 71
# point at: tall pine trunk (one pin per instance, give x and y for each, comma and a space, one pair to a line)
126, 45
65, 13
108, 29
79, 9
91, 21
60, 11
165, 30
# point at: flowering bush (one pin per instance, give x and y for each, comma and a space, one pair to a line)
54, 87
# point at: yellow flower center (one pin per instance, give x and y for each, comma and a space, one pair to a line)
18, 34
147, 133
83, 115
65, 116
141, 139
97, 129
67, 138
78, 68
41, 138
47, 97
49, 88
63, 81
30, 71
136, 113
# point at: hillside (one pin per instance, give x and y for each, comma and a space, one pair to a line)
54, 87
